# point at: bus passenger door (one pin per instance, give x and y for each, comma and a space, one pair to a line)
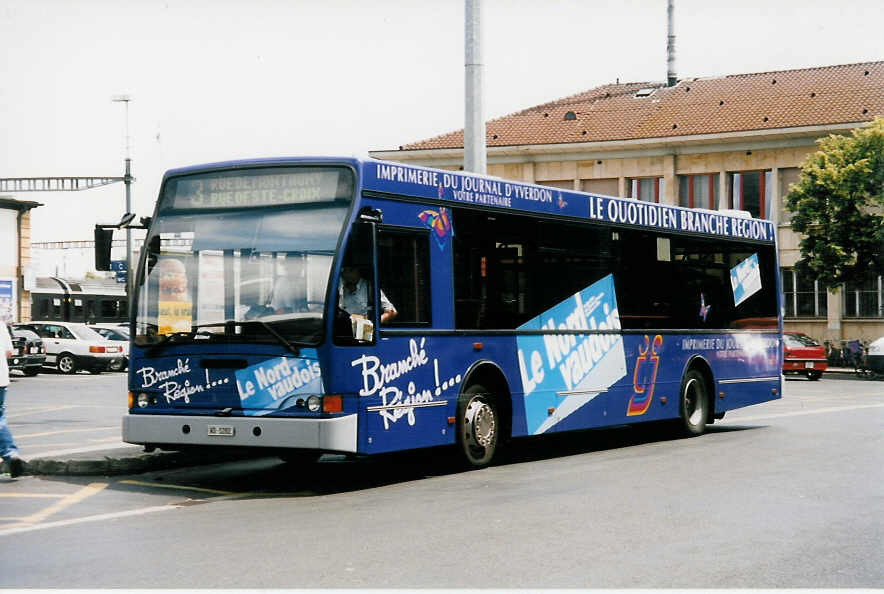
411, 409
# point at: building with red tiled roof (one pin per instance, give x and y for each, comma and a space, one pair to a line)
735, 141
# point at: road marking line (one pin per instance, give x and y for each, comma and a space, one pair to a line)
65, 502
98, 518
40, 410
34, 495
806, 412
61, 431
184, 488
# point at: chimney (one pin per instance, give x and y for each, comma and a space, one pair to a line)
671, 78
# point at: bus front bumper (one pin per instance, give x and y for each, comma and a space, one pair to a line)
337, 434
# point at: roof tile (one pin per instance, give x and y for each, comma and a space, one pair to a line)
734, 103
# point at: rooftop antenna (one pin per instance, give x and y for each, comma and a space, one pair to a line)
671, 78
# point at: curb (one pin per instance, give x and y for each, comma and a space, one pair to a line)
109, 465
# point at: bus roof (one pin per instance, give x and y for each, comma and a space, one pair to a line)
457, 188
262, 162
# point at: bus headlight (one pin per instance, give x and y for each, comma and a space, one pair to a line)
314, 403
143, 400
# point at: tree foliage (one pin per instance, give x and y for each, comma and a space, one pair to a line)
838, 207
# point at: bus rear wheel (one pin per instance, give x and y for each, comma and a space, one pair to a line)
478, 426
693, 404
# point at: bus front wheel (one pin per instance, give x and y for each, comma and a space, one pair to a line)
478, 426
693, 404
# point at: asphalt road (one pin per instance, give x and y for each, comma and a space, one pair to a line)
785, 494
52, 412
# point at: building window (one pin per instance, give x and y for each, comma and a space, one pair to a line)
803, 297
607, 187
788, 176
864, 300
698, 191
750, 190
646, 189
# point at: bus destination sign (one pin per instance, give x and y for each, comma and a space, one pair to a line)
259, 187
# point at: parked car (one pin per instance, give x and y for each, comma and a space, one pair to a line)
803, 355
874, 360
29, 352
72, 346
119, 336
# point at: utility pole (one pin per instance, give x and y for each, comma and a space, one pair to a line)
127, 180
475, 151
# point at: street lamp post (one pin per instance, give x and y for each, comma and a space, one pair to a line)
127, 179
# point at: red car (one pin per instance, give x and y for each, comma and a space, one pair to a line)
802, 354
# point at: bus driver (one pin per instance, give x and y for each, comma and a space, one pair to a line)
354, 297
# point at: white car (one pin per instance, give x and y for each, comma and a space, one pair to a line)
71, 347
118, 335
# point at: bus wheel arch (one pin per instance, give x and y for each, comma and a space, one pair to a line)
484, 412
696, 398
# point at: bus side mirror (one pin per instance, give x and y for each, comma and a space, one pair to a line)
103, 239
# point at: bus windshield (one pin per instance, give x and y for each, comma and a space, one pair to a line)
239, 274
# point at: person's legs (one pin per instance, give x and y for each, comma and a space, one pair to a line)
8, 450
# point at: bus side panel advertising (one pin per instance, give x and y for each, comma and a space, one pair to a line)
407, 389
561, 373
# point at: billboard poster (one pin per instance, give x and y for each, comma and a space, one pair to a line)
745, 279
563, 372
7, 300
175, 308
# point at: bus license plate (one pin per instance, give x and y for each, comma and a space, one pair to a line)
808, 365
220, 431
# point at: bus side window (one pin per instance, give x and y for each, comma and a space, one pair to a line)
404, 273
509, 269
644, 283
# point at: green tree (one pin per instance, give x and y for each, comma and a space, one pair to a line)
838, 207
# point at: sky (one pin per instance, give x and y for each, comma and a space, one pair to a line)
213, 80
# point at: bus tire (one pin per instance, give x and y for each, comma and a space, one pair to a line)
693, 404
66, 363
478, 426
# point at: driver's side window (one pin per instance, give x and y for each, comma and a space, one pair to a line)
356, 293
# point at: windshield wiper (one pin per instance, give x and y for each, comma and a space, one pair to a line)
229, 325
173, 338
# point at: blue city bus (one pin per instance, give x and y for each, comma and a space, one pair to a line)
490, 310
